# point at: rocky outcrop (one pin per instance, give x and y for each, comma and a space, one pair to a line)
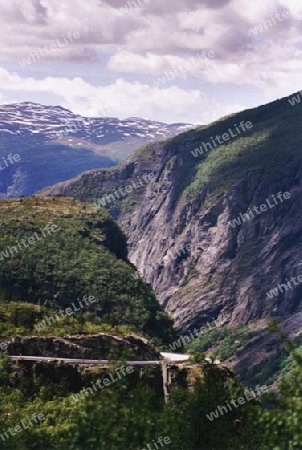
71, 377
98, 346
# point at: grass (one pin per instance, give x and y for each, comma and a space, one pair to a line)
20, 318
226, 342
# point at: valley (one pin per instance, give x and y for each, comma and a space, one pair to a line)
178, 254
229, 269
150, 225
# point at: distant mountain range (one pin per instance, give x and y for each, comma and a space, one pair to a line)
55, 144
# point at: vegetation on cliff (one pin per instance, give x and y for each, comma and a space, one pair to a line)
86, 256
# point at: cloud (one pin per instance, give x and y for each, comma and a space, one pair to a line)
156, 65
150, 38
215, 3
120, 97
188, 26
41, 12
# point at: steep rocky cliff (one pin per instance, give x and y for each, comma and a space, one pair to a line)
180, 227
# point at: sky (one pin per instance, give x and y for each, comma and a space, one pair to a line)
190, 61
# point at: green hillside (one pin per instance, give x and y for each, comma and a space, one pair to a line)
270, 144
86, 256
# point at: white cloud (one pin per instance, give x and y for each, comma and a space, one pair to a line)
156, 65
149, 41
188, 26
120, 97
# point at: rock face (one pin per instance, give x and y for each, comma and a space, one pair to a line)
181, 231
74, 377
98, 346
227, 271
189, 235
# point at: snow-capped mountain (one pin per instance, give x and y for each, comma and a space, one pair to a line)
55, 144
54, 122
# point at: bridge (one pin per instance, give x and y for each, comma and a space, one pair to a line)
167, 359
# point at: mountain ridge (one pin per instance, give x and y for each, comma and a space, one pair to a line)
57, 118
228, 270
55, 144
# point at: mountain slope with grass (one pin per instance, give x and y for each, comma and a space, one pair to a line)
84, 255
182, 233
